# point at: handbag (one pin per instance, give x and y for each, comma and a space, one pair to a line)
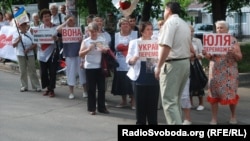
198, 78
108, 63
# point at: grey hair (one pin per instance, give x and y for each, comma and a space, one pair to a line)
53, 5
35, 14
93, 26
222, 22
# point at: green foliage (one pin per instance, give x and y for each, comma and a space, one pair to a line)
233, 5
184, 5
106, 6
244, 64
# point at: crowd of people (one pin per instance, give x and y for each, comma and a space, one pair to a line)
167, 85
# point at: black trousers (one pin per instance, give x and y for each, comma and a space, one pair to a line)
146, 97
48, 73
95, 79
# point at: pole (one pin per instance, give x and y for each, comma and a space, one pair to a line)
17, 28
71, 8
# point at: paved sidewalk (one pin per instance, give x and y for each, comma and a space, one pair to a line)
198, 117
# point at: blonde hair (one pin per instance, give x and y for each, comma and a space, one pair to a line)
93, 26
122, 20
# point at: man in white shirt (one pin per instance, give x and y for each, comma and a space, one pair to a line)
173, 67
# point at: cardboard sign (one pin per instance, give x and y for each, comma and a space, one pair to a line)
43, 35
71, 34
6, 49
215, 43
148, 49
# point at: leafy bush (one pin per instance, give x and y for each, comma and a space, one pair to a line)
244, 64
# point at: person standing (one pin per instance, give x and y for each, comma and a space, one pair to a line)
223, 76
56, 17
132, 22
185, 97
73, 61
63, 9
198, 47
48, 55
146, 87
106, 36
121, 84
35, 21
173, 67
2, 21
24, 45
92, 49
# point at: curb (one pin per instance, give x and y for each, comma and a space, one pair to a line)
244, 78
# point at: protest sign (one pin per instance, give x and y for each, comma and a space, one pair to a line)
71, 34
215, 43
43, 35
6, 49
148, 51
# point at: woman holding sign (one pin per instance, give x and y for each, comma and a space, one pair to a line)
71, 54
223, 76
146, 87
48, 55
91, 50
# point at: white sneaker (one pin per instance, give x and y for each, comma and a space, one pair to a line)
186, 122
23, 89
84, 95
71, 96
38, 90
200, 108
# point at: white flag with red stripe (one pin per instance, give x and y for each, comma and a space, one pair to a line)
125, 6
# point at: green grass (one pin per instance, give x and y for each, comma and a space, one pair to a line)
244, 64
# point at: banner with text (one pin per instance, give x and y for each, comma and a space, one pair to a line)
71, 34
215, 43
148, 49
6, 49
43, 35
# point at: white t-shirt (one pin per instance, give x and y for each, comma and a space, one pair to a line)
27, 40
93, 58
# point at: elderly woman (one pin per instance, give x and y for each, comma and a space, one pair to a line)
223, 77
26, 58
92, 49
121, 83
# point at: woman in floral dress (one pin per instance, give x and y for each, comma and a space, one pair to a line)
223, 76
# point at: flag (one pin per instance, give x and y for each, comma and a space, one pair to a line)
126, 7
21, 16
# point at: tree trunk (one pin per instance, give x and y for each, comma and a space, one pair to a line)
71, 8
92, 6
146, 10
42, 4
219, 8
